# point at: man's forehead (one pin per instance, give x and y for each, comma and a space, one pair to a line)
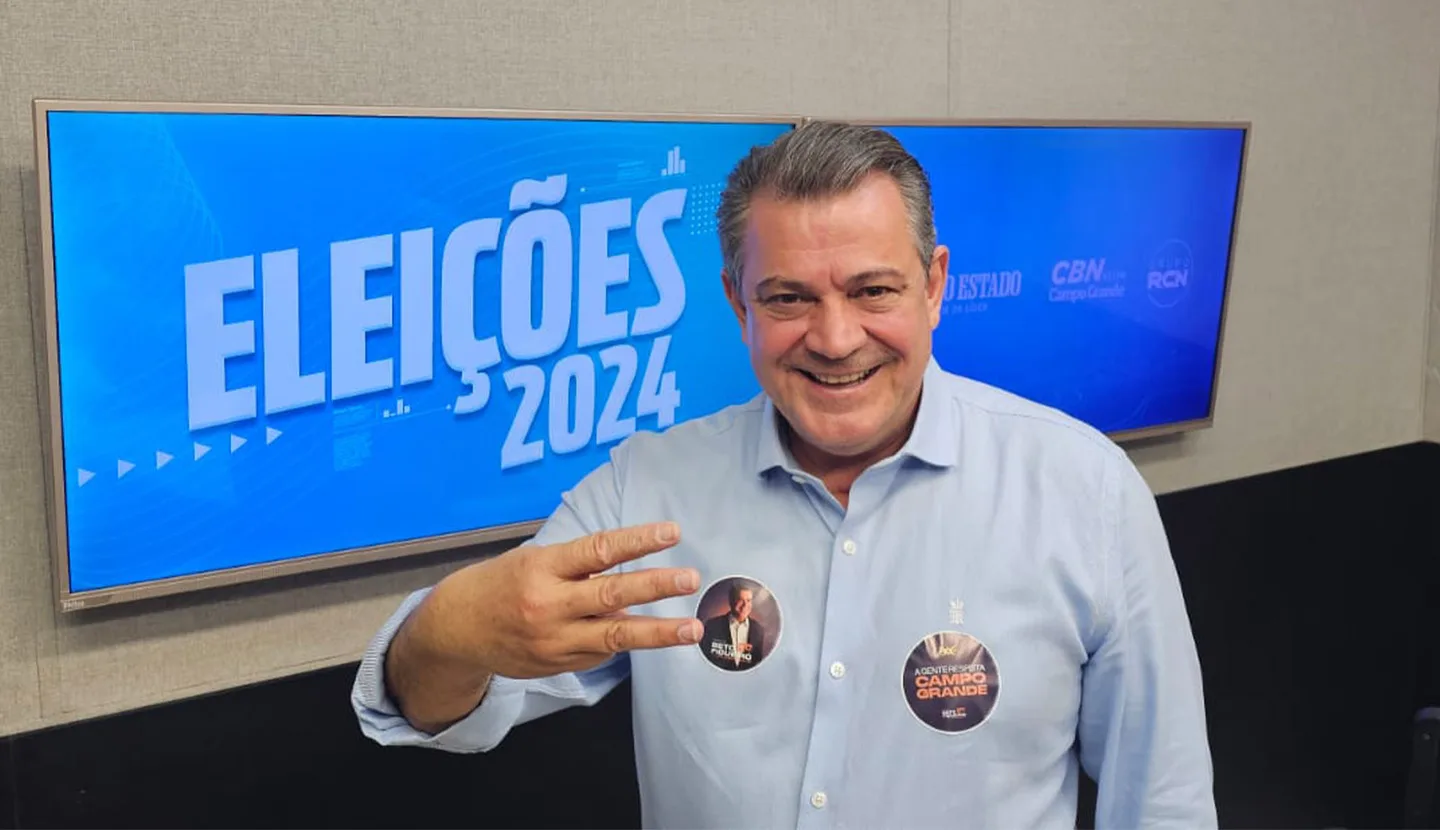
829, 242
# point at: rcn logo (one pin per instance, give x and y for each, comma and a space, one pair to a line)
1167, 279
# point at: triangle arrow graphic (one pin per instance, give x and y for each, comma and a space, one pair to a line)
236, 442
85, 475
271, 433
200, 450
162, 458
122, 467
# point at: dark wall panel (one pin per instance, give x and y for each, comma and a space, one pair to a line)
7, 786
1305, 590
289, 754
1314, 595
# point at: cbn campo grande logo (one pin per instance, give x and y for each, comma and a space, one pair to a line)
1082, 280
1167, 278
971, 293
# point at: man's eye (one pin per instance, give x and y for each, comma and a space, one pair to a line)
875, 291
783, 299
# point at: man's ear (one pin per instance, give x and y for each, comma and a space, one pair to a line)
935, 284
737, 304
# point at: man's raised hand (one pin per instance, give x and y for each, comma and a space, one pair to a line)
534, 611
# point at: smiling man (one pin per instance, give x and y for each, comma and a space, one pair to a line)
969, 597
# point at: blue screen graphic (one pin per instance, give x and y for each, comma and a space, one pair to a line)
1088, 264
286, 335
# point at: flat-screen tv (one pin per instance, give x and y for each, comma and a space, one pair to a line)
1089, 263
282, 339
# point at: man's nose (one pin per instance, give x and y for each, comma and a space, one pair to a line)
835, 331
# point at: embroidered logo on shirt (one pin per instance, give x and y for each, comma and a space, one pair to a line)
741, 619
951, 682
957, 612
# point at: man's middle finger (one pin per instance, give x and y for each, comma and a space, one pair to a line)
617, 592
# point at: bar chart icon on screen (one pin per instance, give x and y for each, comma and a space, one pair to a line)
674, 164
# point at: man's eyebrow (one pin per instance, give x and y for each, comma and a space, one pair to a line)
873, 274
779, 283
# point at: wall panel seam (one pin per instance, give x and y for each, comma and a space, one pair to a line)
1429, 373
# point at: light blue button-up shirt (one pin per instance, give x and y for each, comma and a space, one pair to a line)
1015, 527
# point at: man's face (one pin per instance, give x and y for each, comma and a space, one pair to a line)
741, 607
838, 315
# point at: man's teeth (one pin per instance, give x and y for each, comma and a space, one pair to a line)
840, 380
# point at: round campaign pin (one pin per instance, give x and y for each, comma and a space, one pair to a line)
741, 619
951, 682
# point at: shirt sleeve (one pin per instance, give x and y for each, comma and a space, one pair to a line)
1142, 716
592, 506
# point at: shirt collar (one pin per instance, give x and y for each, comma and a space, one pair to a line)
934, 439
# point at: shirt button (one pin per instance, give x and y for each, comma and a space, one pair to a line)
837, 669
818, 800
849, 546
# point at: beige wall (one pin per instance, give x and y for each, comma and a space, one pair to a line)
1332, 270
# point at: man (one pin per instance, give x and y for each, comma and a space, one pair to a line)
881, 502
733, 640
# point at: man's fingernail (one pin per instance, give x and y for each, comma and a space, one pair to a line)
667, 532
690, 632
687, 581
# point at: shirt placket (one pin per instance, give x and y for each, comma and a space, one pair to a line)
835, 694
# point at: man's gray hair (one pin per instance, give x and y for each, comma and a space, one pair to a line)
816, 160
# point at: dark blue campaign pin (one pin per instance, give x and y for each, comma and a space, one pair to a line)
741, 620
951, 682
